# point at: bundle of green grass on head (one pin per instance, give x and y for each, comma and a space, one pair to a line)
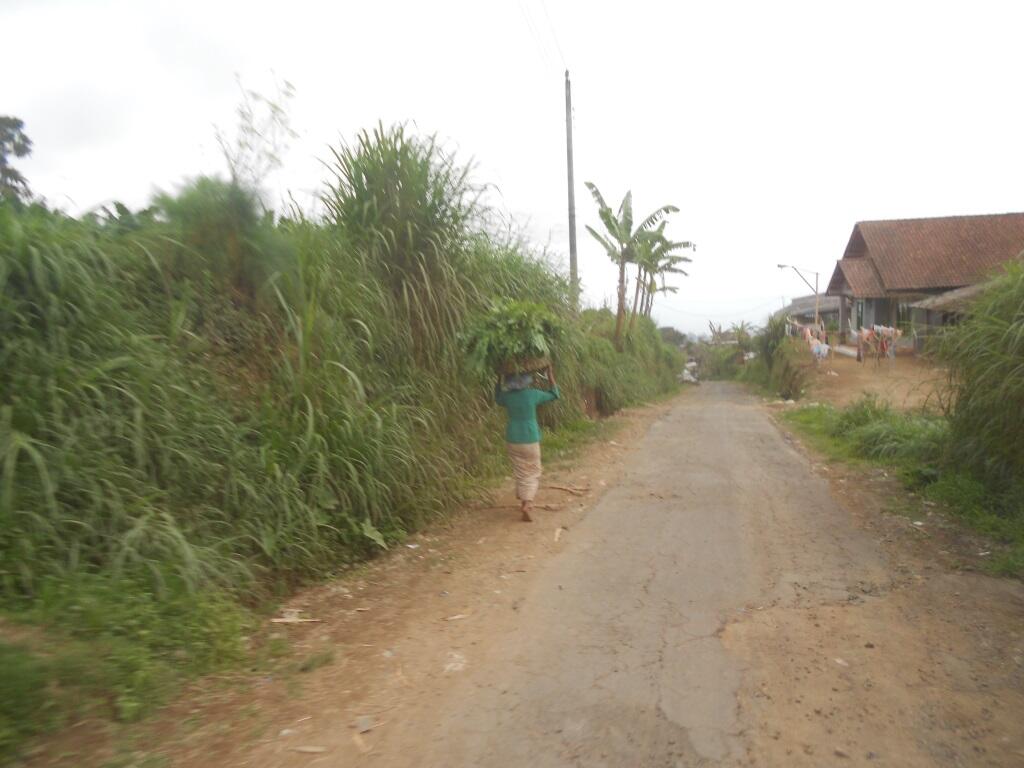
513, 336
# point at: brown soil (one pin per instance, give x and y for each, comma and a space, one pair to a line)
924, 667
906, 382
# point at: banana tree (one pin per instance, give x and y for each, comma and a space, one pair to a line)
646, 265
621, 241
656, 257
667, 265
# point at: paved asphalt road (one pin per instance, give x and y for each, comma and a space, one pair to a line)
617, 659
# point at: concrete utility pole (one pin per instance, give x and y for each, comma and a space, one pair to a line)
574, 277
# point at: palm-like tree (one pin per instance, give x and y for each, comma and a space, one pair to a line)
743, 332
622, 241
646, 268
656, 257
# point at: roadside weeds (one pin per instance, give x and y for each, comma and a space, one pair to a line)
355, 658
895, 451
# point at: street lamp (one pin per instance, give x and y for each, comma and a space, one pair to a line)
817, 316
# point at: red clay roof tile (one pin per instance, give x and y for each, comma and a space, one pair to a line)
907, 255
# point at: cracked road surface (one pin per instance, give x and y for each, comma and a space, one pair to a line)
617, 658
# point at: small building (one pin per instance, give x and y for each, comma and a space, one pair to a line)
891, 266
801, 309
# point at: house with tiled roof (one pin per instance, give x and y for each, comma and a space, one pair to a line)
889, 266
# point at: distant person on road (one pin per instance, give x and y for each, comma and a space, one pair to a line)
517, 395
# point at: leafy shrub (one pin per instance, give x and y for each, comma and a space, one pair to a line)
609, 379
742, 333
673, 336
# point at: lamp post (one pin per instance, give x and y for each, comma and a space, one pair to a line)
817, 315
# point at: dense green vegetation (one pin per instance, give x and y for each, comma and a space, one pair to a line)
717, 362
922, 447
721, 357
203, 405
779, 366
985, 403
782, 364
14, 143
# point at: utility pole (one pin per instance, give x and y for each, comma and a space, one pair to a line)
574, 277
817, 313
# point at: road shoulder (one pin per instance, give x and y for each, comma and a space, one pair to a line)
921, 667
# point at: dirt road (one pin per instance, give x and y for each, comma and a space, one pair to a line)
706, 594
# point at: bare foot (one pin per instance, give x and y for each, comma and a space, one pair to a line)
526, 513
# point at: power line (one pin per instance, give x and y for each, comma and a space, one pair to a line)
708, 315
536, 37
554, 33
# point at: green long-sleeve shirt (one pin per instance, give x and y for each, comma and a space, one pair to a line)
521, 405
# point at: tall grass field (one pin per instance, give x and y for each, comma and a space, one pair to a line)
204, 405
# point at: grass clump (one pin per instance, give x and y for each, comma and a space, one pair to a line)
919, 439
984, 355
817, 422
315, 660
24, 705
867, 409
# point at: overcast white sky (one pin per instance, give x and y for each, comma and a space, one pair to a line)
774, 126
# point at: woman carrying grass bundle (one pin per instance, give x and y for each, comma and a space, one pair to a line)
520, 399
